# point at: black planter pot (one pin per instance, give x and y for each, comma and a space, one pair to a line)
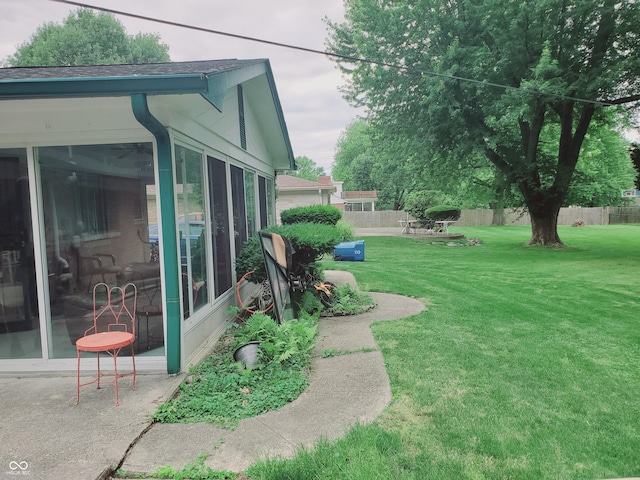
249, 354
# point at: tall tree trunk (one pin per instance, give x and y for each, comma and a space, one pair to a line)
544, 206
498, 218
499, 191
544, 227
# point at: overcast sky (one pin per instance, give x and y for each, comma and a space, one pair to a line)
307, 83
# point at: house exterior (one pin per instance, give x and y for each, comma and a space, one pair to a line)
336, 197
154, 174
300, 192
360, 201
350, 201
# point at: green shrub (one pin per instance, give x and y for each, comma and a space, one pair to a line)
309, 240
323, 214
443, 212
251, 258
418, 202
346, 231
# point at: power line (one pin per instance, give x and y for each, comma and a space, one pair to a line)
333, 55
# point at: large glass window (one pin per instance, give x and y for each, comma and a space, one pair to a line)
270, 202
250, 201
192, 229
239, 207
262, 194
19, 322
221, 237
100, 225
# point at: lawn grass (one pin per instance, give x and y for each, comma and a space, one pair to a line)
525, 363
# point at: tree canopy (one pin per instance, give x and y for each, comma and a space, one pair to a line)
366, 159
307, 169
466, 79
88, 38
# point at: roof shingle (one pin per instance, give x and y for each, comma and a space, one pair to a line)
203, 67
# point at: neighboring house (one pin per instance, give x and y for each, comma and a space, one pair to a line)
152, 173
300, 192
356, 201
631, 196
336, 197
360, 201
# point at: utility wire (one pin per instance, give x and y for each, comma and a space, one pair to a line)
337, 56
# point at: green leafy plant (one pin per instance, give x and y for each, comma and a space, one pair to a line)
289, 343
309, 240
250, 258
309, 303
349, 301
195, 469
223, 392
346, 231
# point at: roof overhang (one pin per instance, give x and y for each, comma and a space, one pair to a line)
212, 86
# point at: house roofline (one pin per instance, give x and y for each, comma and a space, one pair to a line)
212, 86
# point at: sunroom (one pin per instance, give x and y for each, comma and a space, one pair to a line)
154, 174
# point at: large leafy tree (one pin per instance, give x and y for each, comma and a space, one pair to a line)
604, 169
88, 38
354, 148
487, 77
368, 159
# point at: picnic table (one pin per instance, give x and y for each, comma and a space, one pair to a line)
443, 225
408, 226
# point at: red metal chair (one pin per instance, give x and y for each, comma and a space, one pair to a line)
114, 328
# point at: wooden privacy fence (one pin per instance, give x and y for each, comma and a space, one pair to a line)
468, 218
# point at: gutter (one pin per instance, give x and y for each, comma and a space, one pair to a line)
140, 109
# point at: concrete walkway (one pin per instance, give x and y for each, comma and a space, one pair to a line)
54, 439
343, 391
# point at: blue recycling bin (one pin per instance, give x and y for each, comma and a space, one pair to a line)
349, 251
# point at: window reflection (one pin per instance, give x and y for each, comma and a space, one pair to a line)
98, 204
262, 194
191, 229
216, 171
239, 209
250, 201
19, 322
270, 202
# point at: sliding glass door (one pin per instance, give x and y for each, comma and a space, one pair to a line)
19, 320
100, 225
